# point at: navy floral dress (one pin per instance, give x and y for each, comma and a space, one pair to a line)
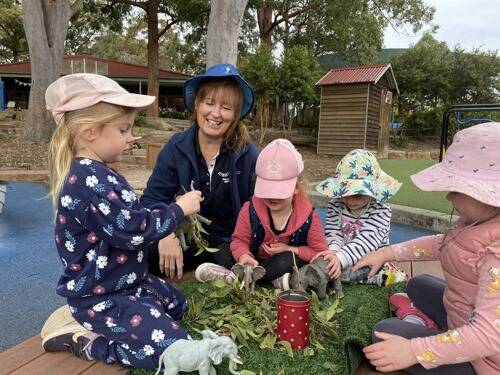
101, 234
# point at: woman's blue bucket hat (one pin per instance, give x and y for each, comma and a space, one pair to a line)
219, 71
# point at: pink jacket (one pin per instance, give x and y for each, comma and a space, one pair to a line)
470, 259
241, 239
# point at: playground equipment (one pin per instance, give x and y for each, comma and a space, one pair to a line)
458, 109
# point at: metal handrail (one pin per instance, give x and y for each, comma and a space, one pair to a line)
455, 108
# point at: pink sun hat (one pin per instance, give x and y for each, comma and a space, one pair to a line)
278, 166
82, 90
471, 165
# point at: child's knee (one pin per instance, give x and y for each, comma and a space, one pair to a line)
420, 284
386, 325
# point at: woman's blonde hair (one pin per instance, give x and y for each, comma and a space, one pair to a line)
63, 144
236, 135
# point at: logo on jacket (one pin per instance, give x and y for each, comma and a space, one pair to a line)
224, 176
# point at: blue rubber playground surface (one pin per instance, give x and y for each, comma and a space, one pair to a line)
30, 266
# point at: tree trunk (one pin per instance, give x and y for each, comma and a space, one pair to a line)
223, 31
153, 56
265, 20
45, 24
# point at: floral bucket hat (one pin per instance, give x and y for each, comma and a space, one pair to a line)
471, 165
359, 173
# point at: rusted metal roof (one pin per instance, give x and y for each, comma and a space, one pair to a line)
359, 74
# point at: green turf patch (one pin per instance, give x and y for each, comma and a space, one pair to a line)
409, 194
363, 306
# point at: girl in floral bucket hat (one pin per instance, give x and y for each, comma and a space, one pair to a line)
466, 305
358, 217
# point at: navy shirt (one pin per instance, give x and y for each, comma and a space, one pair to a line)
102, 231
216, 204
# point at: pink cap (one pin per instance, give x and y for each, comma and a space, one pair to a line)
78, 91
278, 166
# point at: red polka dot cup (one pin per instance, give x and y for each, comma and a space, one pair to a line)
293, 318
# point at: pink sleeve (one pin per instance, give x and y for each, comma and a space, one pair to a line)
316, 241
241, 239
481, 336
422, 248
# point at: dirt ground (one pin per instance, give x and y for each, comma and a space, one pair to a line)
17, 154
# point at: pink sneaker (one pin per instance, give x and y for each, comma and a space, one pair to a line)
206, 272
402, 306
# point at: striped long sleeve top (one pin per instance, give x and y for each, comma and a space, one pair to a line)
352, 236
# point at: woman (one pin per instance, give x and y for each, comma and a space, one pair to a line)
215, 156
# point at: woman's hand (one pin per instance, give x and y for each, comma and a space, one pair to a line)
189, 202
391, 354
248, 259
278, 247
375, 260
171, 257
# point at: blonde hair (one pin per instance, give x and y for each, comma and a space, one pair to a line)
236, 135
64, 141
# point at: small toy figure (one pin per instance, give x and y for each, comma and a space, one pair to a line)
201, 355
248, 275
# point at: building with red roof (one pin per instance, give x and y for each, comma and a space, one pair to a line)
355, 109
16, 78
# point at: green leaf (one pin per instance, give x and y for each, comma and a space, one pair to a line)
211, 249
308, 352
287, 346
330, 366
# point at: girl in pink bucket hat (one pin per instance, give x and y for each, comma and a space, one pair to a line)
121, 313
466, 305
278, 221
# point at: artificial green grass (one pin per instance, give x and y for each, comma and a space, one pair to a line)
409, 194
363, 306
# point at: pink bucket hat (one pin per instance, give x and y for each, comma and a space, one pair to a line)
78, 91
471, 165
278, 166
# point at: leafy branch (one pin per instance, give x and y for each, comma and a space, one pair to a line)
244, 317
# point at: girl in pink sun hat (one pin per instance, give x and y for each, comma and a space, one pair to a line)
466, 305
277, 222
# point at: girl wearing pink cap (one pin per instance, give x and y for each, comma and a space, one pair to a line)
276, 223
116, 311
466, 305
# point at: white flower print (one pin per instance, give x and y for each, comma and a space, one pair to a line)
88, 326
126, 214
69, 246
104, 208
126, 196
140, 256
99, 307
91, 181
131, 278
91, 255
155, 313
102, 261
125, 361
132, 194
85, 162
125, 346
157, 335
148, 350
170, 306
137, 240
110, 324
66, 201
112, 179
70, 285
